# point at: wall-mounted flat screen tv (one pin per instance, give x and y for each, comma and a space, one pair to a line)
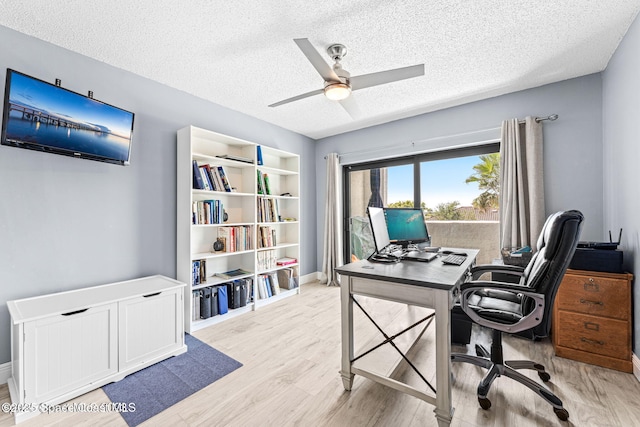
41, 116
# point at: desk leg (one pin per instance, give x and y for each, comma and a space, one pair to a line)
346, 323
443, 410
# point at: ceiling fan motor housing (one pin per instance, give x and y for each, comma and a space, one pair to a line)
337, 51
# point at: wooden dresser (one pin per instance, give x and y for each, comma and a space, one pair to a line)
592, 319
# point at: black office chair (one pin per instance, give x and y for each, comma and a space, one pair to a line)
524, 308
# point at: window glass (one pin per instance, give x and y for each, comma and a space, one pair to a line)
457, 190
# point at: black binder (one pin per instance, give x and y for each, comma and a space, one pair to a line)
243, 293
233, 290
237, 293
205, 303
214, 301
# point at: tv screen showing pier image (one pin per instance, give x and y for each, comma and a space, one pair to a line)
41, 116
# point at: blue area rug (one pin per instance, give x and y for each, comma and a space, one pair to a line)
154, 389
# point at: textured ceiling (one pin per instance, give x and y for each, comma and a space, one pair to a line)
241, 54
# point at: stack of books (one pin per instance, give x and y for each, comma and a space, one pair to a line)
210, 178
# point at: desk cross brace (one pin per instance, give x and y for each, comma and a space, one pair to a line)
389, 340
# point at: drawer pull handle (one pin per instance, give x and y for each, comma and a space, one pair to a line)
592, 326
586, 301
587, 340
71, 313
591, 286
151, 295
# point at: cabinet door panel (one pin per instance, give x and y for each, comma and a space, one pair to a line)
65, 352
149, 327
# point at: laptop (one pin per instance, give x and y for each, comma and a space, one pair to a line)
419, 256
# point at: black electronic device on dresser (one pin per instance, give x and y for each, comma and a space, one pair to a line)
599, 256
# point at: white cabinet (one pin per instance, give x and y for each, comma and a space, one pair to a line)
68, 343
254, 214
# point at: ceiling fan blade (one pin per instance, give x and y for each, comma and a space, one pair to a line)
316, 60
384, 77
351, 107
295, 98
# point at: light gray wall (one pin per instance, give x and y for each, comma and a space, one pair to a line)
67, 223
572, 144
621, 135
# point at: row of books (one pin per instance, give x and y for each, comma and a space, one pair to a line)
268, 285
235, 239
268, 210
212, 178
266, 236
207, 212
263, 183
267, 260
271, 284
198, 272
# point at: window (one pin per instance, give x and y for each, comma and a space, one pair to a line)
456, 185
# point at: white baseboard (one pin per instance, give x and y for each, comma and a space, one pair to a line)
308, 278
636, 366
5, 372
311, 277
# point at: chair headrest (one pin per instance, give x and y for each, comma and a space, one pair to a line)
556, 245
551, 236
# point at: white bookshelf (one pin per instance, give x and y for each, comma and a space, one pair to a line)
195, 242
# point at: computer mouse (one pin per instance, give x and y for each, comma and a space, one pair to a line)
460, 253
446, 252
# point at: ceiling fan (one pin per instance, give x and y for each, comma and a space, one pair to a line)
338, 83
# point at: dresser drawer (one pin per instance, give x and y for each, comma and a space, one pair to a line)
601, 296
593, 334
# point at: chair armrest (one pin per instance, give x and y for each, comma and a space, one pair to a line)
476, 285
479, 270
527, 322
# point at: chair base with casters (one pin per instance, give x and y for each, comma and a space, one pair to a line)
496, 367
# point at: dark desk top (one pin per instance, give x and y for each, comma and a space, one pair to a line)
432, 274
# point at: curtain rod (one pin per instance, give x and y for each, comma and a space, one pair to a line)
550, 117
407, 144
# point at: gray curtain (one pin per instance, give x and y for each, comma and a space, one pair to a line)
522, 210
332, 248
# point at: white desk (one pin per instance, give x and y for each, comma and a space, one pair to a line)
425, 284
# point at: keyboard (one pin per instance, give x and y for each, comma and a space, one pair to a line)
454, 259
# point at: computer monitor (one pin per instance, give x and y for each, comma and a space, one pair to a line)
406, 226
379, 228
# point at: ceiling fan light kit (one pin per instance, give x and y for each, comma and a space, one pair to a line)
337, 91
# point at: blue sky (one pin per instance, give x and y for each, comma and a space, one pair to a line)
441, 181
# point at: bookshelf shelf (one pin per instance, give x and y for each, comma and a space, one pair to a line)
208, 156
266, 169
210, 193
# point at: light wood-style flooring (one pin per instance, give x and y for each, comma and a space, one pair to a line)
291, 356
